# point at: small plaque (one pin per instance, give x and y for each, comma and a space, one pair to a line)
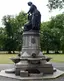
33, 40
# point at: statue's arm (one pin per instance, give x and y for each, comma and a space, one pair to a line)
29, 11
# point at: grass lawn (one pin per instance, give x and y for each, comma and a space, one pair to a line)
56, 57
4, 58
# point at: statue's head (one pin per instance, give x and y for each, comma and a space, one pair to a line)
29, 3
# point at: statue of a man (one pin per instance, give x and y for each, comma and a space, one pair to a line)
32, 7
34, 18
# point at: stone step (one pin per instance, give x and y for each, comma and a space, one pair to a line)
23, 73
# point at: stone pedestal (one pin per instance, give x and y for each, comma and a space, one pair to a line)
32, 60
31, 43
24, 73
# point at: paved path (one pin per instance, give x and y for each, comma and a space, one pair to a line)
56, 65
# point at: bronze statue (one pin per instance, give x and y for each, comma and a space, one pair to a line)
34, 18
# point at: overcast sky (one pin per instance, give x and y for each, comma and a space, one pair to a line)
13, 7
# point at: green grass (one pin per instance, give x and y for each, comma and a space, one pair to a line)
56, 57
4, 58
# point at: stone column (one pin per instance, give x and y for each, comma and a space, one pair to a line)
31, 42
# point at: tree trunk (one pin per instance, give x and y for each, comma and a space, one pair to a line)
13, 52
47, 51
56, 52
63, 51
9, 52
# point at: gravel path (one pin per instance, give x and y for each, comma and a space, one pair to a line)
56, 65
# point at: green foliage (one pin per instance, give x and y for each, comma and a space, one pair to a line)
52, 34
45, 36
58, 24
2, 38
53, 4
14, 29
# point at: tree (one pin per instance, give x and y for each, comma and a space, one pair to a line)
52, 34
45, 35
20, 20
13, 26
9, 31
53, 4
57, 24
2, 38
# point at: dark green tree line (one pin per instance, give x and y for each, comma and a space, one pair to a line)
52, 34
13, 28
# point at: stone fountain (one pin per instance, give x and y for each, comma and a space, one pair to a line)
32, 64
32, 61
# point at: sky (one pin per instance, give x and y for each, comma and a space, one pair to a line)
13, 7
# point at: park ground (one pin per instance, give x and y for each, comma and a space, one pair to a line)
5, 58
57, 61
